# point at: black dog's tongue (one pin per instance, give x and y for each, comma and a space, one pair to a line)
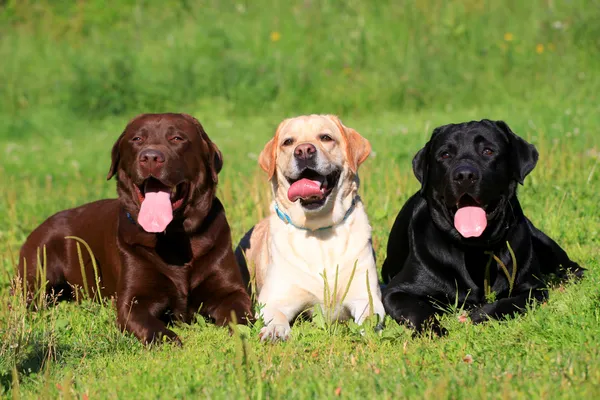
470, 221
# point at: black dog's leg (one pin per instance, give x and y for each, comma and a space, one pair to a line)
509, 306
552, 258
240, 257
413, 311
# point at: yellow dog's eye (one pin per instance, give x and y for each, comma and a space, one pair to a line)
325, 138
288, 142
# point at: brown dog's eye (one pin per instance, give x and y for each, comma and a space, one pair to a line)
177, 139
487, 152
445, 155
325, 138
288, 142
137, 139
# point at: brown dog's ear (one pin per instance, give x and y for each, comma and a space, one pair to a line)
217, 162
357, 149
215, 156
115, 157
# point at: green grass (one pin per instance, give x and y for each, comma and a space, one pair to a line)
74, 76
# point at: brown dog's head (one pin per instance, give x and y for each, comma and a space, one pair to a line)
312, 163
166, 169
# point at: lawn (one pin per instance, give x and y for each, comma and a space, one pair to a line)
74, 75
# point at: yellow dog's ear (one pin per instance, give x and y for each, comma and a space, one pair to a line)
357, 147
266, 159
268, 156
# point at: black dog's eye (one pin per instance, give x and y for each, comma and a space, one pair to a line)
325, 138
487, 152
288, 142
445, 155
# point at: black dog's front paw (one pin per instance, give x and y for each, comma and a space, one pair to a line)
480, 314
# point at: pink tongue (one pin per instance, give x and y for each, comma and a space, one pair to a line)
156, 211
305, 188
470, 221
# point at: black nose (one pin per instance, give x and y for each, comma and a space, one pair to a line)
151, 156
465, 174
305, 151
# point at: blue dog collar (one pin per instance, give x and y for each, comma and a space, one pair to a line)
286, 218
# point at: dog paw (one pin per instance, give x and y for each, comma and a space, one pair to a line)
274, 332
478, 316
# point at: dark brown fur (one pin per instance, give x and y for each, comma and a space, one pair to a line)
156, 278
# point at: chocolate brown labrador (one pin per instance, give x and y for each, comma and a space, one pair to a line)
163, 247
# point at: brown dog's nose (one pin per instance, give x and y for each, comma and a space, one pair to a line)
305, 151
151, 157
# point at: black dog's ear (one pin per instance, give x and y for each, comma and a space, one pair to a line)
115, 157
420, 161
420, 166
523, 155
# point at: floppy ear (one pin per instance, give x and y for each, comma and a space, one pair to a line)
420, 161
421, 166
217, 161
215, 156
266, 159
115, 157
268, 155
357, 149
523, 155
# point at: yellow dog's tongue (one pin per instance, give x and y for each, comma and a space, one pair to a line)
470, 221
156, 211
304, 189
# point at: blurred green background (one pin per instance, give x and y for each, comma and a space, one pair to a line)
92, 59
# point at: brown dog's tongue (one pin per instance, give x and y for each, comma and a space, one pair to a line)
304, 189
156, 211
470, 221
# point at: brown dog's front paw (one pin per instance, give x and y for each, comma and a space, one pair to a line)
165, 336
237, 313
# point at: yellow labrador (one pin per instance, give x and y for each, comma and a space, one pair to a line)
318, 227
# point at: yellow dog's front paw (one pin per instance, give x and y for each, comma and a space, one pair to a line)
275, 332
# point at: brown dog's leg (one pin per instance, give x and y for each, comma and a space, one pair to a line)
220, 308
135, 316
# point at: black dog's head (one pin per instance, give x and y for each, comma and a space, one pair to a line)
469, 173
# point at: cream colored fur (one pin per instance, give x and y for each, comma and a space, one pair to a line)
288, 261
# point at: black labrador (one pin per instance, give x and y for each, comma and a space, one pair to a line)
463, 238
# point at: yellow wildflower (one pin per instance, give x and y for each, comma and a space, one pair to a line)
508, 37
275, 36
539, 48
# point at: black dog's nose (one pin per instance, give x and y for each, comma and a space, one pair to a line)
465, 174
305, 151
151, 156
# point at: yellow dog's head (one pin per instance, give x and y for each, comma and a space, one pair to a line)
312, 163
